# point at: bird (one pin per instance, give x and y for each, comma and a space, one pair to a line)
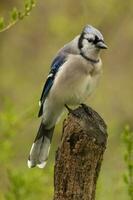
74, 74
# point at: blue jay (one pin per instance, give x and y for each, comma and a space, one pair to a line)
73, 76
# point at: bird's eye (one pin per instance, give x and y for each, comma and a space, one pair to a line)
96, 39
90, 40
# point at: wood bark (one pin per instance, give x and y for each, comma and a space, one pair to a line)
79, 156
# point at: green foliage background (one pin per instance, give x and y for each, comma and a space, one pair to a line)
25, 56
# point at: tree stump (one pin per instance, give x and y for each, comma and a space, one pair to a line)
79, 156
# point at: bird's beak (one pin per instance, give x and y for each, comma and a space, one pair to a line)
101, 45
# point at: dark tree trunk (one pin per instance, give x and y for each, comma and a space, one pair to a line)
79, 155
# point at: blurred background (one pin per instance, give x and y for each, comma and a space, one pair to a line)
26, 51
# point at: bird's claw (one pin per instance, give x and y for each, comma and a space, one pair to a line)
71, 111
83, 105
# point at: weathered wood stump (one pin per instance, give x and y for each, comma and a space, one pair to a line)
79, 156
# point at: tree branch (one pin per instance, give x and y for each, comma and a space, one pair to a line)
17, 15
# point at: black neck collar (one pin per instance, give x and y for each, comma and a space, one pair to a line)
89, 59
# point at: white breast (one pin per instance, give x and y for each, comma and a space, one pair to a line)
82, 90
75, 81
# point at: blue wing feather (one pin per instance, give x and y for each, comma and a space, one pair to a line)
56, 64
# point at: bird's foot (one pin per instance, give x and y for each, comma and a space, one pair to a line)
71, 111
86, 108
83, 105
